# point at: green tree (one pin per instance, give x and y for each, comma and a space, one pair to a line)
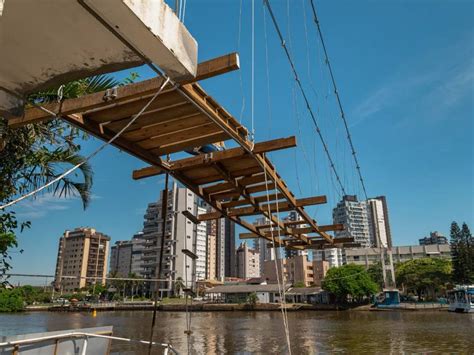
424, 276
376, 274
349, 280
178, 285
299, 284
462, 251
38, 153
11, 300
252, 300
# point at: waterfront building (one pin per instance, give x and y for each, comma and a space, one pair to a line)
266, 253
82, 254
289, 253
434, 238
240, 293
201, 245
248, 262
121, 259
353, 215
180, 233
138, 244
368, 256
334, 256
296, 270
379, 224
211, 270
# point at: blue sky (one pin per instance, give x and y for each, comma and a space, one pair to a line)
405, 74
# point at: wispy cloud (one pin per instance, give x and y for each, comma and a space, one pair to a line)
432, 91
40, 206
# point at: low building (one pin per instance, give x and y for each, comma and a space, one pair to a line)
320, 269
368, 256
434, 238
240, 293
313, 295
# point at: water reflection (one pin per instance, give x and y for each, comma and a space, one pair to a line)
263, 332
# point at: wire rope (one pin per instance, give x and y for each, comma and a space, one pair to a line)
303, 92
336, 92
90, 156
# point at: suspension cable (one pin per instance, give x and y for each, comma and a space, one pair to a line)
336, 92
90, 156
253, 73
281, 287
305, 97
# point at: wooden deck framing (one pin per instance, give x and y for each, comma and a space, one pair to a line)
236, 182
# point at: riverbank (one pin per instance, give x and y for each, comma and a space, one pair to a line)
230, 307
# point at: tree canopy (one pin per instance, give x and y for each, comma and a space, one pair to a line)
349, 280
424, 276
462, 251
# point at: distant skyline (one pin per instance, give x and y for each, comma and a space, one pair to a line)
405, 73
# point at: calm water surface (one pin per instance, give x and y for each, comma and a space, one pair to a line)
262, 332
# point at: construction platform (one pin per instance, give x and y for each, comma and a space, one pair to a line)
236, 182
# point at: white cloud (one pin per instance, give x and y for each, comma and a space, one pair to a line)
34, 208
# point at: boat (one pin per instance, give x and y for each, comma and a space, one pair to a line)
461, 299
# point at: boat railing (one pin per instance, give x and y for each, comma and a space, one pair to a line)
16, 344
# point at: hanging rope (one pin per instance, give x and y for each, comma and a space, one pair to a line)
281, 287
305, 97
336, 92
164, 213
90, 156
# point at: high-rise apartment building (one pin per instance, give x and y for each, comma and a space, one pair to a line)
82, 254
334, 256
201, 248
289, 253
180, 233
211, 270
379, 225
138, 244
353, 215
121, 258
261, 245
248, 262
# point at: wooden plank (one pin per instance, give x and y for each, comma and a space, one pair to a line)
166, 127
191, 143
216, 66
239, 173
280, 206
149, 117
89, 102
304, 230
271, 197
245, 181
176, 138
261, 147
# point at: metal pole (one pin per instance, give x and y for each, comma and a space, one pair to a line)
164, 212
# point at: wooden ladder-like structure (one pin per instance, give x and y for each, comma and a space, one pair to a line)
233, 181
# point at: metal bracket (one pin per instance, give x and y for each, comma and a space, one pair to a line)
110, 94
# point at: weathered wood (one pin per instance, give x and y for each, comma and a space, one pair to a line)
88, 102
191, 143
271, 197
260, 147
216, 66
296, 231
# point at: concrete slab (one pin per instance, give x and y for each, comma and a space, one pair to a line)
50, 42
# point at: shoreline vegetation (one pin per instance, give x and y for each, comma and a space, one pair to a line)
232, 307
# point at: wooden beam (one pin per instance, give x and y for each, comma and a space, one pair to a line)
89, 102
203, 159
216, 66
280, 206
207, 69
296, 231
271, 197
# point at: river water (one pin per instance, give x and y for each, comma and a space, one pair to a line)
311, 332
